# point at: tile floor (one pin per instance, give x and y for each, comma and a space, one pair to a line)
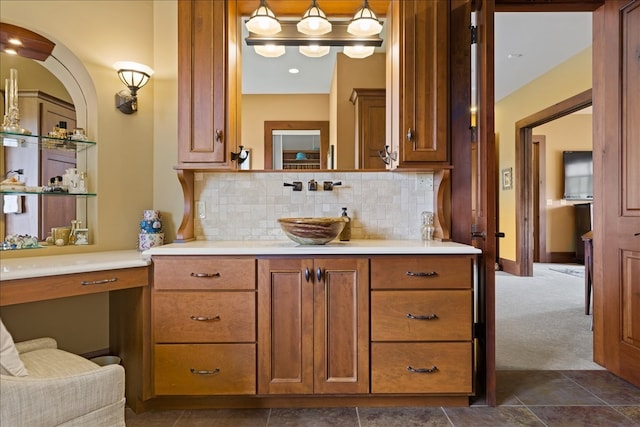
525, 398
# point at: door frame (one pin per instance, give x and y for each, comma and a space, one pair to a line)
525, 176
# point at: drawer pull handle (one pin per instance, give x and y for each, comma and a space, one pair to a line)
431, 370
204, 371
422, 274
426, 317
205, 318
99, 282
205, 274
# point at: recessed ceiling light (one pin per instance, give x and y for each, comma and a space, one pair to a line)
515, 55
294, 70
15, 41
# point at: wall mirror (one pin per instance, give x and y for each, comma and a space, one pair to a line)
320, 90
44, 102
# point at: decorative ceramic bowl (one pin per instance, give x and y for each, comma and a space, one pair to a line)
312, 231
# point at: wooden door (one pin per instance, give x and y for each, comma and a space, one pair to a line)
341, 325
370, 115
484, 224
616, 148
285, 326
419, 63
208, 105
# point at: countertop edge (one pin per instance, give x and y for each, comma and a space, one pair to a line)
56, 265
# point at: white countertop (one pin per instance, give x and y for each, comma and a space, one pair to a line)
54, 265
279, 247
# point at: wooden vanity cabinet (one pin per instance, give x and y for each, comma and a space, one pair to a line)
421, 324
207, 84
419, 83
313, 326
204, 325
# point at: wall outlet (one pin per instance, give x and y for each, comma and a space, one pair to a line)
424, 181
201, 208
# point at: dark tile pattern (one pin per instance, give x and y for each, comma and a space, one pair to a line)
525, 398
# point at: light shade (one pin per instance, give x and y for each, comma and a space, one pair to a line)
358, 51
314, 51
270, 50
314, 22
364, 22
133, 74
263, 21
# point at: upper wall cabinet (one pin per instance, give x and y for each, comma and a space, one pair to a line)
207, 86
419, 82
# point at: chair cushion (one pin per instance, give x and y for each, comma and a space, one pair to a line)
53, 363
10, 362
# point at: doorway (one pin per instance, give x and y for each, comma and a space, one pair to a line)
527, 194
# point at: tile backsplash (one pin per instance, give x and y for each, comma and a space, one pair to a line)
246, 206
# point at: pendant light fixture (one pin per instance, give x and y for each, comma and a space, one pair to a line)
270, 50
364, 22
358, 51
314, 22
263, 21
314, 50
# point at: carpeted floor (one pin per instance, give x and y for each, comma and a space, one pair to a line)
540, 320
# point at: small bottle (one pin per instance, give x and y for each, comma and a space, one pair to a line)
345, 234
427, 227
72, 233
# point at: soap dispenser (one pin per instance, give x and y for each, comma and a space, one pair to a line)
345, 234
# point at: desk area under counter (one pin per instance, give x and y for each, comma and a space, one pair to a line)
32, 289
376, 322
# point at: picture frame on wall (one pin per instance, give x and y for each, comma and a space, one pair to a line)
81, 236
507, 179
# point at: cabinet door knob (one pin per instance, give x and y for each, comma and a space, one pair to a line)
410, 135
319, 274
307, 274
218, 135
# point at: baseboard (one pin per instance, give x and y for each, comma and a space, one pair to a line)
561, 257
509, 266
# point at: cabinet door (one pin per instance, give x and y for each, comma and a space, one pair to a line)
206, 87
422, 68
313, 326
341, 325
285, 326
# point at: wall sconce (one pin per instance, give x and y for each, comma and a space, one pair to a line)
134, 76
240, 156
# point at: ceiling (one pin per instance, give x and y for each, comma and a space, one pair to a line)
527, 45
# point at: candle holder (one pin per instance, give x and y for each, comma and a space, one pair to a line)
11, 122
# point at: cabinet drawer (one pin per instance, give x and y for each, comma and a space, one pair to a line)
437, 315
421, 272
204, 316
204, 369
447, 366
204, 272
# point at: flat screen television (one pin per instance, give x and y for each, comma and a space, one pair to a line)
578, 175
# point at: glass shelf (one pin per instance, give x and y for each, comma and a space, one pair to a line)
46, 142
46, 193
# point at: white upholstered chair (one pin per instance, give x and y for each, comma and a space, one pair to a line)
59, 388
